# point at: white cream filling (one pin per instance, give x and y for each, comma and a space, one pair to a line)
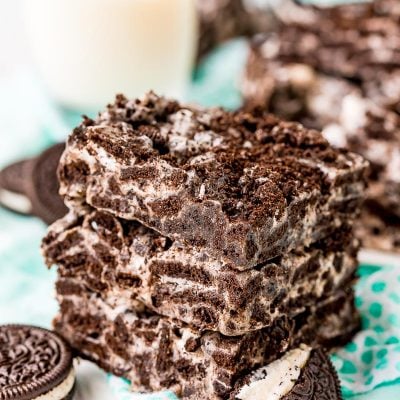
276, 379
62, 390
15, 201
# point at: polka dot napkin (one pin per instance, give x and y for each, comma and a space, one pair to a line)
372, 359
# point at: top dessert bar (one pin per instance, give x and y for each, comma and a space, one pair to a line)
245, 186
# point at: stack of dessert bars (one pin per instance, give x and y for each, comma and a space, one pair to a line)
202, 244
337, 69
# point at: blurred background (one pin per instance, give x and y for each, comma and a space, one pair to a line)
59, 59
12, 38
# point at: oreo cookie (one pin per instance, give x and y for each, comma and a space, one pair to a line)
13, 181
31, 186
34, 363
301, 374
43, 186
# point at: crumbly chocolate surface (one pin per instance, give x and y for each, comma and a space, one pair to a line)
128, 261
318, 380
245, 186
156, 353
33, 362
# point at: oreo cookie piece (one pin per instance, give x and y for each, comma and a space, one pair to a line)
12, 187
31, 186
34, 364
43, 186
301, 374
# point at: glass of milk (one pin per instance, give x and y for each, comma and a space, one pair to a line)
89, 50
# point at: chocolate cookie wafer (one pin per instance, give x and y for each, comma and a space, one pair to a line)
31, 187
34, 364
12, 187
43, 185
301, 374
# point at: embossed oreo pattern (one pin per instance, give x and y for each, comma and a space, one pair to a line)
32, 361
318, 380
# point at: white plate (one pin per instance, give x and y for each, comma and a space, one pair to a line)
91, 382
367, 256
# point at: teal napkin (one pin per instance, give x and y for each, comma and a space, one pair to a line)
372, 359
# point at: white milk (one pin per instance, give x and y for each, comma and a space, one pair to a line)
89, 50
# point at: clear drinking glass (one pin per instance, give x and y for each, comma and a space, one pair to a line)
89, 50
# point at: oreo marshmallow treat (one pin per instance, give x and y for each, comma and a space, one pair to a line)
202, 245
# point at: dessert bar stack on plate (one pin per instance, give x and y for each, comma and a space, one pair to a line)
338, 71
202, 244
